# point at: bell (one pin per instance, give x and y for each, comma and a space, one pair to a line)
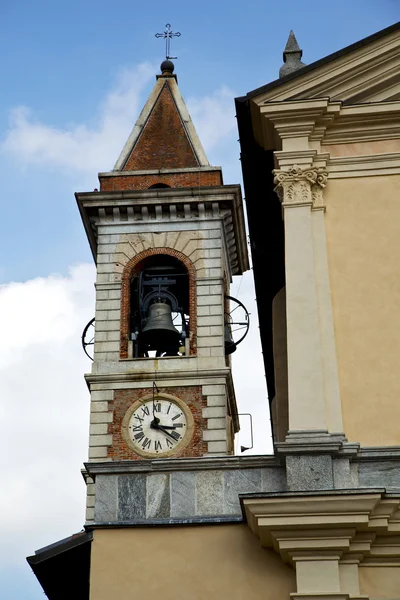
159, 329
230, 345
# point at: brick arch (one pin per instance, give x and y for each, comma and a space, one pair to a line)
129, 270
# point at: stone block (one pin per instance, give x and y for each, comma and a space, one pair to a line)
98, 428
215, 310
209, 342
209, 320
101, 395
209, 493
217, 351
114, 294
98, 407
101, 417
107, 305
273, 479
203, 290
157, 496
106, 498
102, 295
214, 299
217, 447
100, 440
342, 474
101, 336
219, 423
309, 472
213, 435
213, 412
204, 352
213, 389
212, 243
97, 452
203, 332
219, 400
106, 346
132, 497
379, 474
202, 311
240, 481
215, 253
89, 514
215, 272
183, 494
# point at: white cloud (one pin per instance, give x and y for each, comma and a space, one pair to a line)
44, 408
92, 149
44, 405
80, 147
214, 116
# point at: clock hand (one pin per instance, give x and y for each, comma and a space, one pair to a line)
167, 432
166, 426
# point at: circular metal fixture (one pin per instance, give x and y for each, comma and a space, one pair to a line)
88, 339
237, 323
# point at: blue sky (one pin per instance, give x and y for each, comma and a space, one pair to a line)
74, 77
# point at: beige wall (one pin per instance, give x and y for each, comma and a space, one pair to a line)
380, 582
363, 239
177, 563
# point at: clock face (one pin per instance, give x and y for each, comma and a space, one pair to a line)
159, 428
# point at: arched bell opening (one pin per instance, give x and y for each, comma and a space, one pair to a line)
159, 322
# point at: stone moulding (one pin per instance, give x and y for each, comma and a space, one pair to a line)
328, 533
299, 186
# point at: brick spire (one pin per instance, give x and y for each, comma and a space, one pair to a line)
163, 148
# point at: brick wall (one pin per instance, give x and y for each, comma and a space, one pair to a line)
188, 179
163, 142
129, 270
123, 399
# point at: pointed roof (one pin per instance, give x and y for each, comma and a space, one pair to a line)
291, 56
315, 79
164, 135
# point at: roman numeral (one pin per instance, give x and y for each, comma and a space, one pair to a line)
157, 407
139, 419
169, 408
145, 410
169, 443
157, 445
136, 428
139, 436
177, 416
175, 435
146, 443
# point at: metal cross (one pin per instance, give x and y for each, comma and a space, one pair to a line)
167, 35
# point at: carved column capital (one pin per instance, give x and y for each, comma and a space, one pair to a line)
301, 187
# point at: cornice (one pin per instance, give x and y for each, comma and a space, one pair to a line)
169, 205
203, 463
364, 73
307, 125
358, 525
364, 165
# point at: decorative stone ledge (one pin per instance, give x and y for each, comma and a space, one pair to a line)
326, 536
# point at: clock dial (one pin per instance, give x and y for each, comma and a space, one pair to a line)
159, 428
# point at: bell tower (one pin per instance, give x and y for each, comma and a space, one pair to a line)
167, 236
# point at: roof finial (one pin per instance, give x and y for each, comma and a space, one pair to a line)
291, 56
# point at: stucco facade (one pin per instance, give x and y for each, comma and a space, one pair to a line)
180, 562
